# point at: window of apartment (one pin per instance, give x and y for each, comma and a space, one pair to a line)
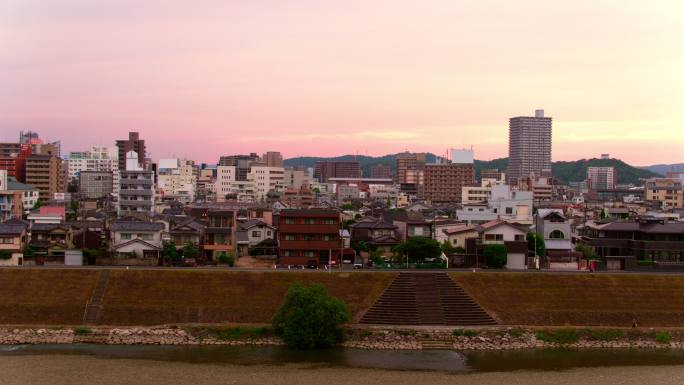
126, 236
289, 237
509, 210
287, 253
256, 234
326, 237
329, 221
308, 237
309, 254
310, 221
289, 221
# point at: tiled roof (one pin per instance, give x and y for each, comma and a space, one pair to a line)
48, 226
136, 226
11, 229
309, 213
253, 222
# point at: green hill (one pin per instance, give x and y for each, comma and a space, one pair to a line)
566, 172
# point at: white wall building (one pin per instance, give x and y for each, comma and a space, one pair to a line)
265, 179
95, 159
177, 179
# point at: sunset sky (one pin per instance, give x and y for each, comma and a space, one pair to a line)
203, 78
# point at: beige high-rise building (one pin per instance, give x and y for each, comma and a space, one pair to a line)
45, 173
444, 182
407, 162
272, 159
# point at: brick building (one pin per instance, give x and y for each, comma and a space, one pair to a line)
309, 237
326, 169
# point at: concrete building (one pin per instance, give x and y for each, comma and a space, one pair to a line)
603, 178
13, 159
95, 159
242, 164
177, 180
136, 188
529, 145
266, 179
95, 184
475, 194
325, 170
133, 143
464, 156
11, 205
444, 182
491, 177
29, 194
409, 162
295, 178
504, 203
45, 173
272, 159
381, 171
542, 186
667, 191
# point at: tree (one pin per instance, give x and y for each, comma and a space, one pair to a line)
541, 245
496, 255
72, 187
419, 248
190, 251
347, 207
361, 246
447, 247
460, 250
29, 251
345, 224
603, 214
169, 252
37, 204
226, 259
310, 318
4, 254
587, 252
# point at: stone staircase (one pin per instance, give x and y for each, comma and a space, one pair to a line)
92, 310
426, 299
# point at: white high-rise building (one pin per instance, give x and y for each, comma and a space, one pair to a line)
266, 179
98, 158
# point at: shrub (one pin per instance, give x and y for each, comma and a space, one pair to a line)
457, 332
82, 331
4, 254
497, 256
560, 337
663, 337
226, 259
309, 318
516, 333
469, 333
646, 262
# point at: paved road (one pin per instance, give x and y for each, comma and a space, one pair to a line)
334, 270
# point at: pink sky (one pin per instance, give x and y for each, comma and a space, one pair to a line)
203, 78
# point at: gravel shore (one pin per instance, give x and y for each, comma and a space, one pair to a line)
77, 370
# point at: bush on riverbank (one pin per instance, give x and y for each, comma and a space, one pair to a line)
309, 318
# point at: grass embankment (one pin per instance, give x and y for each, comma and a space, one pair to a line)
138, 297
582, 300
45, 297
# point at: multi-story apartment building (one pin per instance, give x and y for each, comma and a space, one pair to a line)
444, 182
13, 159
407, 161
601, 178
309, 237
475, 194
95, 184
242, 164
219, 238
266, 179
543, 185
177, 179
136, 188
29, 194
492, 176
381, 171
45, 173
529, 145
325, 170
296, 178
272, 159
667, 191
95, 159
133, 143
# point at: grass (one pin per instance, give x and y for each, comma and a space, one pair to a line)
578, 299
153, 297
603, 334
82, 331
45, 297
464, 333
663, 337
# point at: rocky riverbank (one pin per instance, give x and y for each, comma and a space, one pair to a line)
373, 338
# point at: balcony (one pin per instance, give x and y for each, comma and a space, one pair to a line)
138, 203
309, 245
134, 192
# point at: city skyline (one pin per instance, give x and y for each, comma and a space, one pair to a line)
371, 78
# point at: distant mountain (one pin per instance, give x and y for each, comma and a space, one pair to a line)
663, 169
566, 172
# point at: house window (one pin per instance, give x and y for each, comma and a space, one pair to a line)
6, 240
126, 236
493, 237
519, 237
289, 237
455, 241
509, 210
268, 233
146, 237
557, 234
256, 234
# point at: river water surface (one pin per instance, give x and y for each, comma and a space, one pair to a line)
122, 364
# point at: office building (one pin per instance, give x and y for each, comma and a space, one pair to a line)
325, 170
381, 171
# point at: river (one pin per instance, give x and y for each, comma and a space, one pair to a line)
199, 365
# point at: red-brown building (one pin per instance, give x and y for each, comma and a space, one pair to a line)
309, 237
13, 159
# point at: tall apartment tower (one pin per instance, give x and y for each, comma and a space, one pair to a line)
408, 162
133, 143
601, 178
529, 145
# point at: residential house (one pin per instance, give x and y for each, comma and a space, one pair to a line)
13, 240
136, 239
51, 240
556, 229
220, 233
376, 233
507, 234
